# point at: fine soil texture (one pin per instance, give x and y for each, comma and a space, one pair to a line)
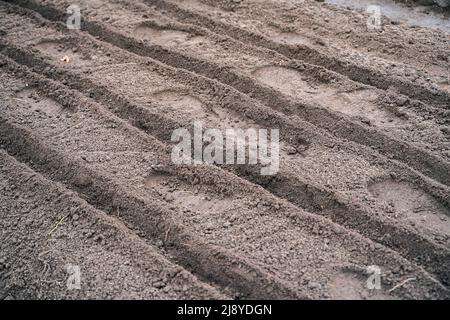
92, 205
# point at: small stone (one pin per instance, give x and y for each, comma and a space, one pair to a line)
169, 198
402, 100
99, 238
159, 284
291, 150
445, 130
315, 230
313, 285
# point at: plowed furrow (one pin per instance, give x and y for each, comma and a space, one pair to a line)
146, 214
308, 194
133, 193
363, 181
266, 28
65, 229
338, 124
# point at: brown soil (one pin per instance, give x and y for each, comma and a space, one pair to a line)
87, 180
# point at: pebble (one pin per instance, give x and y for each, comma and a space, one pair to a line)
313, 285
159, 284
169, 198
291, 150
99, 238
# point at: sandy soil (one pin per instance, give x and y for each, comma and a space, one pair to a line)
86, 176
